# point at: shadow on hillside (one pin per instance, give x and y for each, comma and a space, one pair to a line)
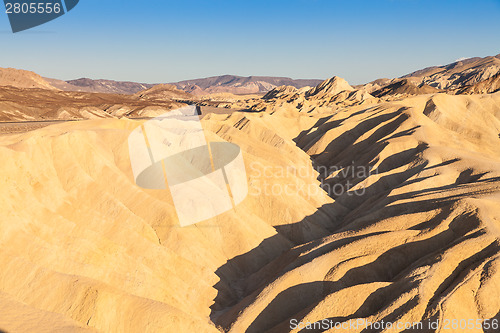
244, 277
239, 286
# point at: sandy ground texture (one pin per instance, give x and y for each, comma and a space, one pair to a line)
416, 239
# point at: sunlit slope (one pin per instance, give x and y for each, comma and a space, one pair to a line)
419, 243
83, 246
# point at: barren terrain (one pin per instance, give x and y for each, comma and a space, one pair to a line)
359, 207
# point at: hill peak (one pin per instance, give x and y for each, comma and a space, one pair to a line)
19, 78
330, 86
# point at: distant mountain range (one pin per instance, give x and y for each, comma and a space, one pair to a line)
218, 84
241, 85
99, 86
457, 77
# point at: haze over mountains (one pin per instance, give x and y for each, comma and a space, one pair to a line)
456, 75
86, 98
217, 84
413, 237
240, 85
99, 86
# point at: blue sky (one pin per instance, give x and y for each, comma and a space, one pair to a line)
164, 41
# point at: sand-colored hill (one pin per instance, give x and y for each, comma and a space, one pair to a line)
168, 92
414, 239
332, 94
329, 87
484, 87
23, 79
227, 100
82, 241
419, 239
164, 92
458, 74
404, 88
374, 85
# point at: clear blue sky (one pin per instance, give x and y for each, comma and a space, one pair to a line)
163, 41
